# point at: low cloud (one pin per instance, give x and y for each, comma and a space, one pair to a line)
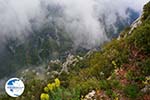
81, 19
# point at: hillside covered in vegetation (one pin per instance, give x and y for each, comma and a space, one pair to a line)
120, 70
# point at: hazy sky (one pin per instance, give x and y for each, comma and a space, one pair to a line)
80, 18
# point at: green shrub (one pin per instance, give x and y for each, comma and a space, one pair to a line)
140, 38
146, 11
131, 91
145, 67
115, 84
86, 86
129, 75
109, 92
104, 84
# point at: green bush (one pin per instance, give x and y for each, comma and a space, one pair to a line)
115, 84
104, 84
109, 92
131, 91
86, 86
145, 67
140, 38
146, 11
130, 75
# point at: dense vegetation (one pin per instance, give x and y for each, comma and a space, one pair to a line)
119, 71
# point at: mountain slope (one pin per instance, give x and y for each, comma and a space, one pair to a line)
119, 71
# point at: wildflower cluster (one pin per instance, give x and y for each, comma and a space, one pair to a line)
147, 81
44, 96
116, 98
50, 88
114, 63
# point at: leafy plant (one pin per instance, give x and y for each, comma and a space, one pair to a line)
131, 91
104, 84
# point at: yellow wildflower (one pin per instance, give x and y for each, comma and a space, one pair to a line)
57, 82
44, 96
46, 89
116, 98
114, 63
148, 78
147, 81
53, 85
50, 87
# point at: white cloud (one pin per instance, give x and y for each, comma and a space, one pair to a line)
80, 17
